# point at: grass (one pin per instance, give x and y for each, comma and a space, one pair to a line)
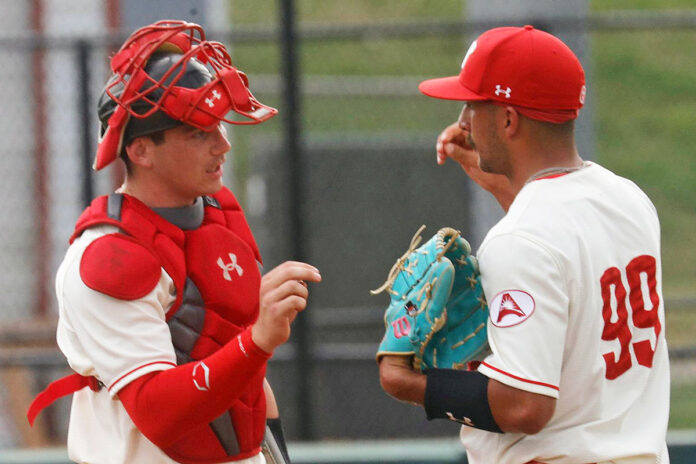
607, 5
681, 326
346, 11
683, 407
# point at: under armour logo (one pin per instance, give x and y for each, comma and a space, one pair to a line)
464, 420
215, 96
201, 376
229, 267
499, 90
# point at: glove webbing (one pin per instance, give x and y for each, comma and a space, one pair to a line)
415, 241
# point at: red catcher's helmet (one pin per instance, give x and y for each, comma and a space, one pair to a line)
201, 102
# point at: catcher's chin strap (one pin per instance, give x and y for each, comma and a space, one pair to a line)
444, 233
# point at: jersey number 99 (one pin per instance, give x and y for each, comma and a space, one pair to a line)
641, 267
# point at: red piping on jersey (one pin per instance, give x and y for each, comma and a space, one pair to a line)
137, 369
539, 462
520, 378
553, 176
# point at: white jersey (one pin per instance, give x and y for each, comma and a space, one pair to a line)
572, 275
116, 341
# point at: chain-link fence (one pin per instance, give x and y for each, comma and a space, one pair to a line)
368, 181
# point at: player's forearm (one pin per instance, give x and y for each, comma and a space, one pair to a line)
399, 380
519, 411
165, 405
477, 401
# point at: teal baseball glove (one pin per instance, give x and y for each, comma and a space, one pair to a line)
437, 311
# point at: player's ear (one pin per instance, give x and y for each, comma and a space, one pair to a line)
140, 151
511, 120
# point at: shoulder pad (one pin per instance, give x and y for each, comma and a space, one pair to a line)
118, 266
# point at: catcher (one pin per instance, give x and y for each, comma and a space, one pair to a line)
164, 315
578, 371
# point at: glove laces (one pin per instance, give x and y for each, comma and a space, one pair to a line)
442, 234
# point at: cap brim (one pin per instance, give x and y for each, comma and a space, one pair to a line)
448, 88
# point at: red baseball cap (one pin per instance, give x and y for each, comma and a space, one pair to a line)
519, 66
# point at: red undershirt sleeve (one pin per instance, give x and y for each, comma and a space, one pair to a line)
165, 404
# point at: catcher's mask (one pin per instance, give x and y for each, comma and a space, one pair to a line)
167, 74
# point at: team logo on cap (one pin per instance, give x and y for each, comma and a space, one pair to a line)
583, 92
500, 91
472, 47
511, 307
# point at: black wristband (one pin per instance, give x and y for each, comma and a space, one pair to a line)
277, 431
461, 396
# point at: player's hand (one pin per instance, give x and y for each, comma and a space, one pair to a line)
452, 143
398, 379
282, 295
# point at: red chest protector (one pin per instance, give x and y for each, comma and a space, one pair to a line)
219, 258
217, 279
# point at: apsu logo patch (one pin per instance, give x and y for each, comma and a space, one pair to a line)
511, 307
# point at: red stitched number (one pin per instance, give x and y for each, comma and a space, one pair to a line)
619, 330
